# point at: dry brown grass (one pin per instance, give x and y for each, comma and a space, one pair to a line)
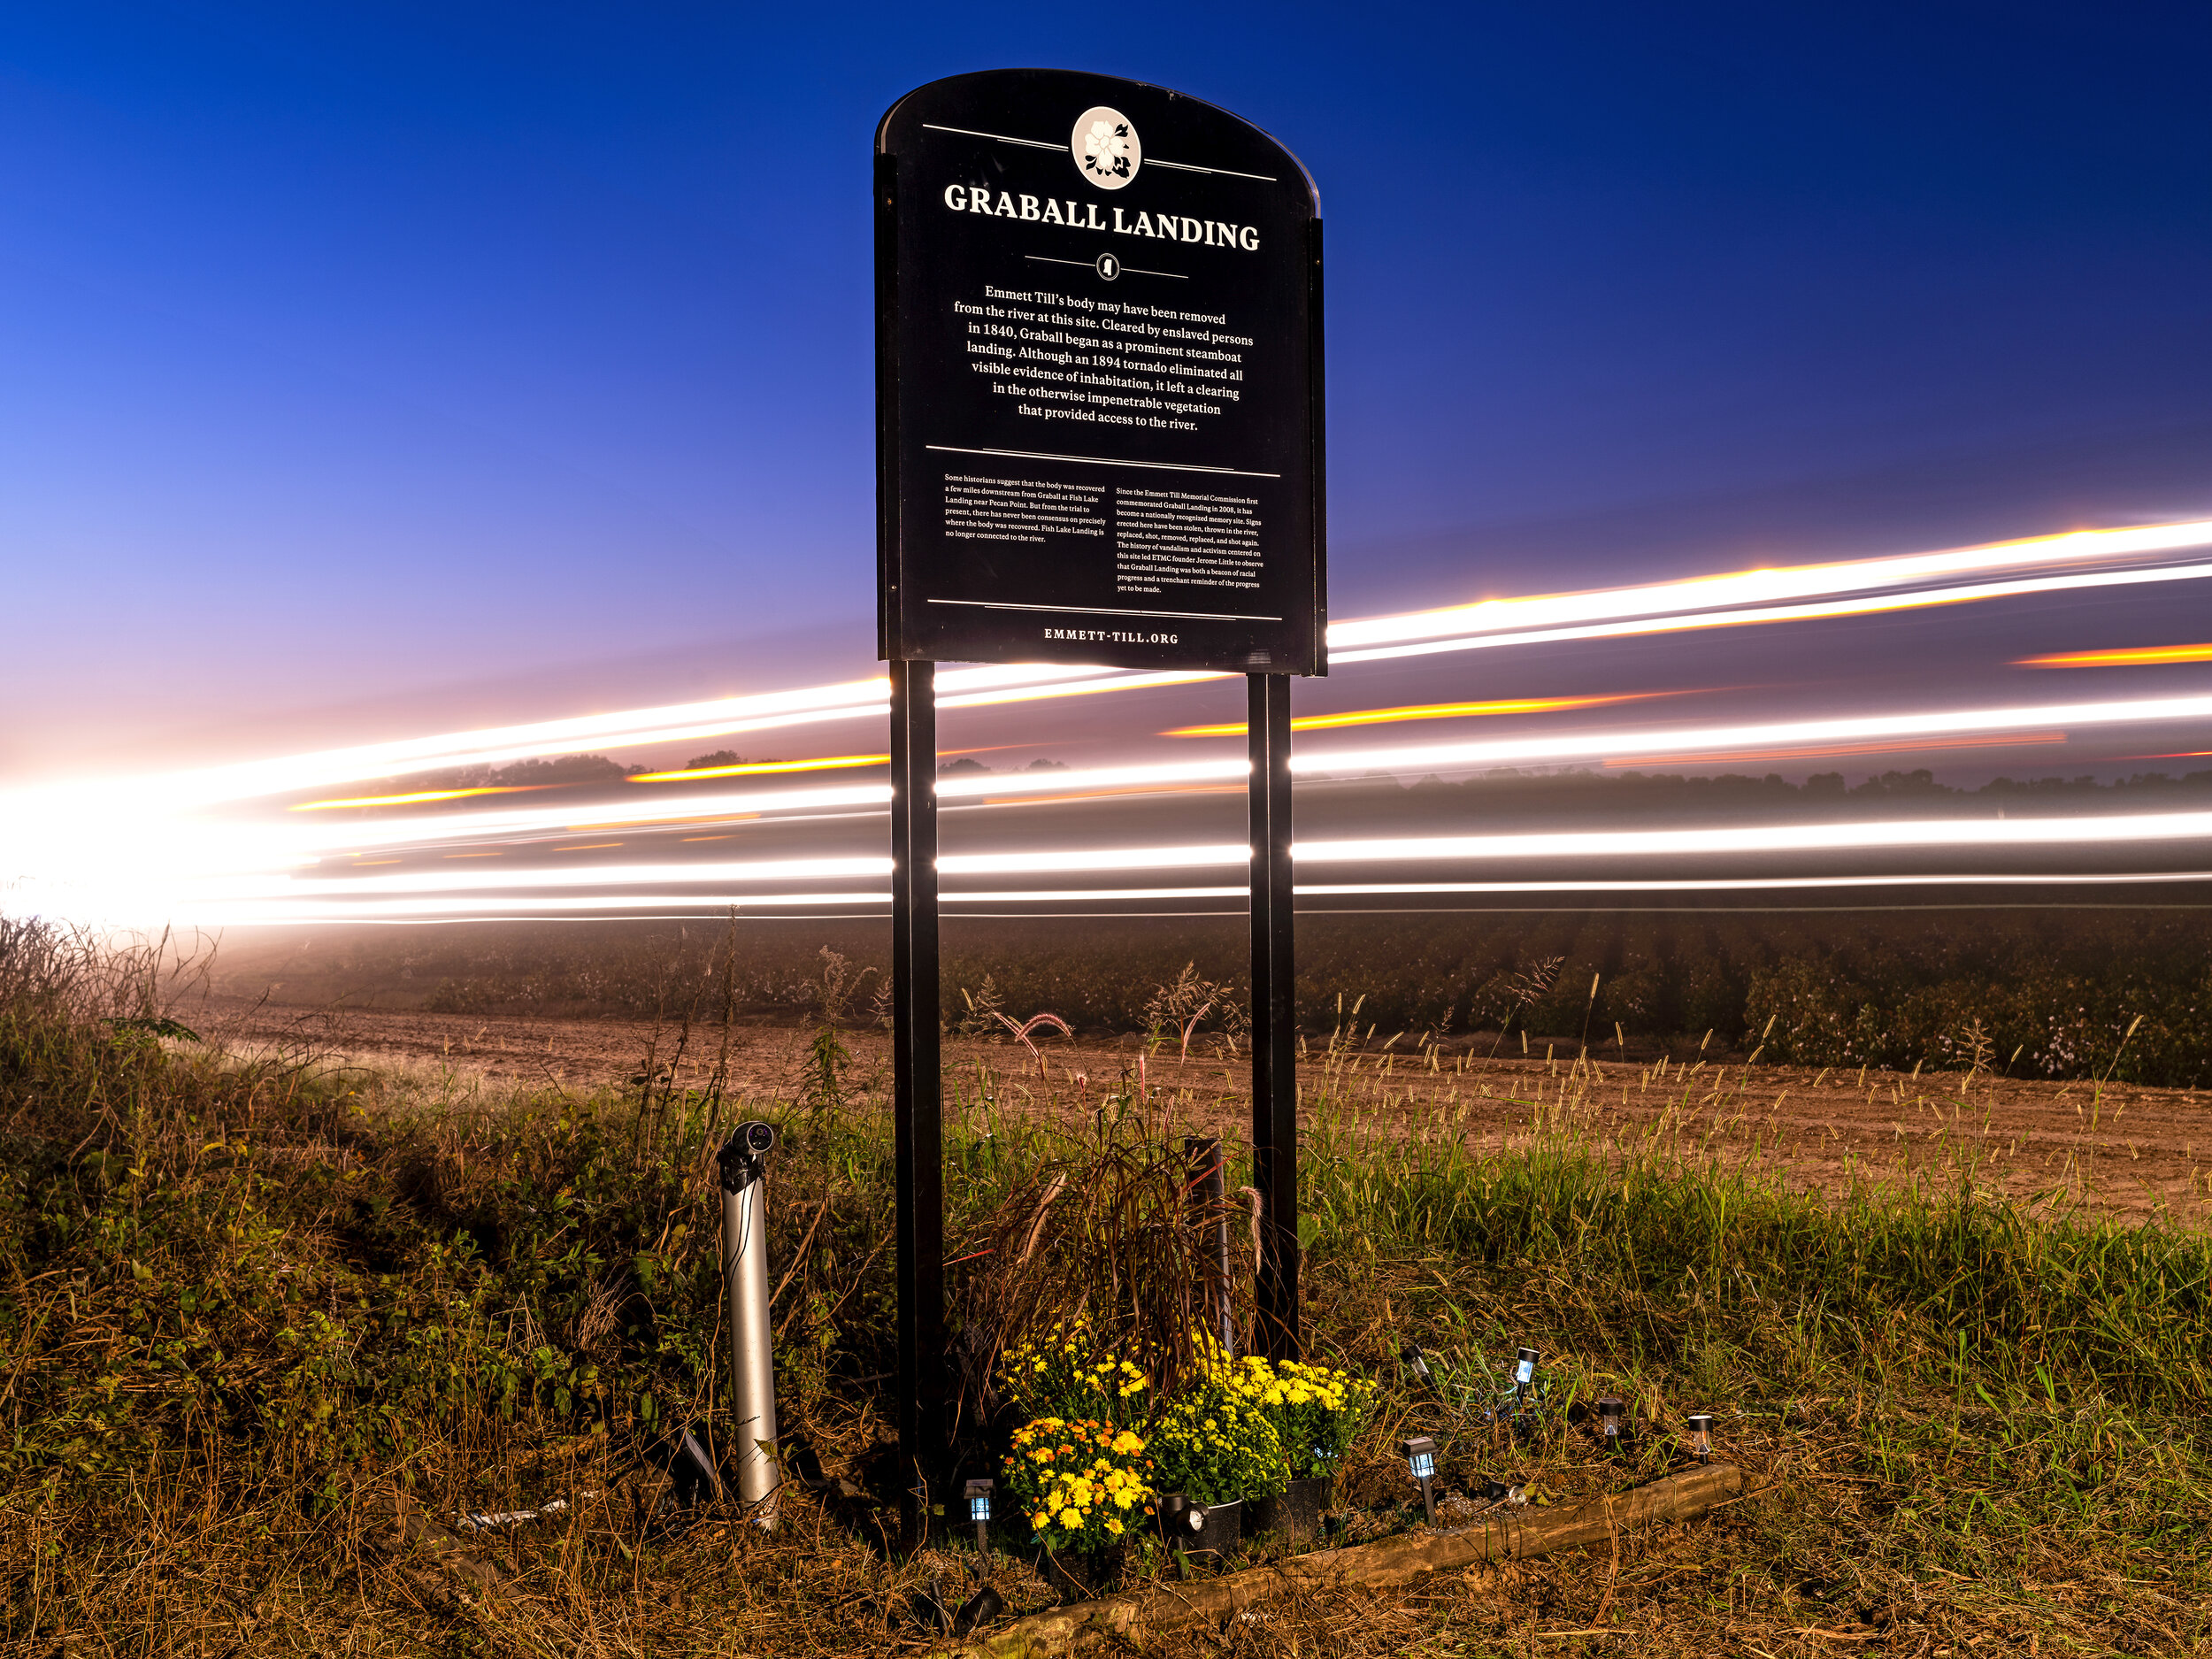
272, 1324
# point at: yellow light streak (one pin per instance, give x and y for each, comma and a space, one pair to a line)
756, 768
415, 799
589, 846
1426, 711
2137, 656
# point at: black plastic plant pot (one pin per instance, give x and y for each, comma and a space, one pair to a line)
1198, 1528
1078, 1577
1295, 1511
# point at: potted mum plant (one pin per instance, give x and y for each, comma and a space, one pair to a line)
1063, 1374
1086, 1488
1213, 1451
1316, 1413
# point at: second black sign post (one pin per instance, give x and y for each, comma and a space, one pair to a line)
1099, 441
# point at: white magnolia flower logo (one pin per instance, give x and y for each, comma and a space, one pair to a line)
1105, 148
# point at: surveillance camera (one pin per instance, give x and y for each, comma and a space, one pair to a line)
743, 1155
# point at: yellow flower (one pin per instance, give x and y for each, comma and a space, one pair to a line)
1070, 1519
1113, 1526
1041, 1519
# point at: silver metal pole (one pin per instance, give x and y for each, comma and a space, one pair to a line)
752, 1352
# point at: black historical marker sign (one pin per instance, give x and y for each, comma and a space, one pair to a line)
1099, 339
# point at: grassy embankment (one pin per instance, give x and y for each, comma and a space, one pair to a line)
252, 1310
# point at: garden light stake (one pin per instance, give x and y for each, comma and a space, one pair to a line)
1700, 1425
1420, 1455
978, 1495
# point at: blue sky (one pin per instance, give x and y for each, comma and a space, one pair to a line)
362, 367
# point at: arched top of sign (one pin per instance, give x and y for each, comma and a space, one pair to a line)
1147, 127
1099, 414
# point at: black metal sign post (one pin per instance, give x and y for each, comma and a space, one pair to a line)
1099, 441
1274, 1019
917, 1097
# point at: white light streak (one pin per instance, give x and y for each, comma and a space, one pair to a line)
2102, 830
141, 845
299, 912
1761, 587
1554, 747
433, 891
1825, 610
1097, 858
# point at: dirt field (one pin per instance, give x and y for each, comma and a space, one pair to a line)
2129, 1151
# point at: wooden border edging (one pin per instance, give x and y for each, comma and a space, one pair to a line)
1380, 1565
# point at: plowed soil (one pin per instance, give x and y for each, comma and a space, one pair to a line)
2133, 1152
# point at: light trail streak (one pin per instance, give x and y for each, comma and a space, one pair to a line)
2136, 657
415, 799
2105, 830
515, 878
756, 768
1652, 608
1429, 711
118, 876
718, 717
1825, 611
1752, 884
1717, 741
2108, 829
1558, 748
476, 908
1738, 588
1835, 751
136, 839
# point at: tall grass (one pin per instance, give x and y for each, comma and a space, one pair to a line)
252, 1304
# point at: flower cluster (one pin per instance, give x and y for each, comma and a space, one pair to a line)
1317, 1412
1087, 1485
1065, 1375
1216, 1447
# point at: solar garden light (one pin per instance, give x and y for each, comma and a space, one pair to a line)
744, 1171
978, 1495
1612, 1422
1525, 1362
1417, 1362
1700, 1425
1420, 1455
